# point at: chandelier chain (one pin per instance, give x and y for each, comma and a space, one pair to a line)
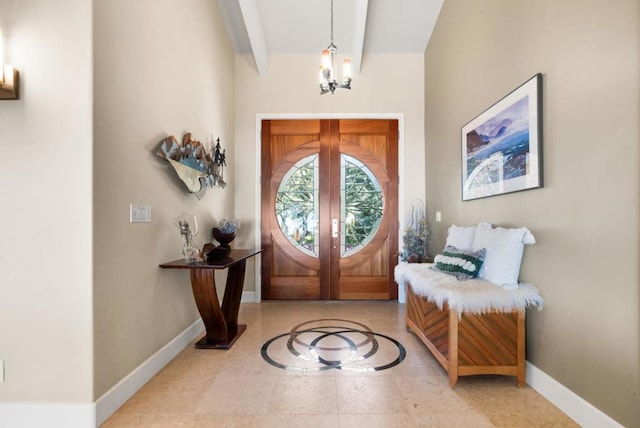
331, 21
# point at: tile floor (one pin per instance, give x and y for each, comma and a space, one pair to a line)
238, 388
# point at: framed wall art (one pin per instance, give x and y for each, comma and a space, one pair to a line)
502, 147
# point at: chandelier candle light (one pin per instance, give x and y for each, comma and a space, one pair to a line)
328, 81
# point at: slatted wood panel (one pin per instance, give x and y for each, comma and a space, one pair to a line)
486, 340
473, 344
430, 321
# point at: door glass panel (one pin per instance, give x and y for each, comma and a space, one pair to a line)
297, 205
362, 205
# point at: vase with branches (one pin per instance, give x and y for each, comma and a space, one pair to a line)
415, 237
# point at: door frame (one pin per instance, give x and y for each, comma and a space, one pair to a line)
300, 116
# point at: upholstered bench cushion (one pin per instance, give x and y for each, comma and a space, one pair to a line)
475, 296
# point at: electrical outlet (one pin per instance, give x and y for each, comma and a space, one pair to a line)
139, 213
1, 371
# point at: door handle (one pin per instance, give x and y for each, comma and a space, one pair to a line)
334, 228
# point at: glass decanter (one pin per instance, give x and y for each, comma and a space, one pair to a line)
188, 226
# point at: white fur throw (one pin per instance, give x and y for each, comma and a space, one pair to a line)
475, 296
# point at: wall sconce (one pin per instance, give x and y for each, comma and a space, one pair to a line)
9, 78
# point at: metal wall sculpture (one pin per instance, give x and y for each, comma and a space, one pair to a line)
197, 169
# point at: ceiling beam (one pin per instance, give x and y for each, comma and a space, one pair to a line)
359, 27
253, 24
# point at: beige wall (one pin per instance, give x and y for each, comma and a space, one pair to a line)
388, 84
66, 192
160, 69
586, 217
45, 250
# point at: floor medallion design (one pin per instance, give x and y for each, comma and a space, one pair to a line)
330, 343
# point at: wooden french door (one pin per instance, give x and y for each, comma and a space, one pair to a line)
329, 209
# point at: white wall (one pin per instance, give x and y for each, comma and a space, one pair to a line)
387, 84
161, 68
45, 187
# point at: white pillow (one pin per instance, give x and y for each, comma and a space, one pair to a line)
461, 237
504, 253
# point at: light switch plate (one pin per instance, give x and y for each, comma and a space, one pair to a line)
139, 213
1, 371
438, 216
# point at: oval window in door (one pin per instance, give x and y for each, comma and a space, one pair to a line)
297, 205
362, 205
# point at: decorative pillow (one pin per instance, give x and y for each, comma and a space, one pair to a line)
463, 264
504, 253
461, 237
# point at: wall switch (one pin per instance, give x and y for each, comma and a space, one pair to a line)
139, 213
438, 216
1, 371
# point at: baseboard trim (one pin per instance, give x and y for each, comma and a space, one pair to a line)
576, 407
127, 387
248, 297
50, 415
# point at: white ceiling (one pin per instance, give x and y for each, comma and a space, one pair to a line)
265, 27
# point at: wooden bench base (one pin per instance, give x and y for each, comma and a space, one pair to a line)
492, 343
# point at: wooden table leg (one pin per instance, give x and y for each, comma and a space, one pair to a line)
221, 324
232, 298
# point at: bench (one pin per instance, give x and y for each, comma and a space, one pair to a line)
471, 326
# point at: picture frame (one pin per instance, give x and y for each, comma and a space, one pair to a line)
502, 147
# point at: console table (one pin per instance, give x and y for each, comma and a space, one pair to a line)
221, 323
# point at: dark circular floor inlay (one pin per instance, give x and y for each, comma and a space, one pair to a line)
333, 344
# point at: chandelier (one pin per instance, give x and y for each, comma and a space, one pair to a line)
328, 75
